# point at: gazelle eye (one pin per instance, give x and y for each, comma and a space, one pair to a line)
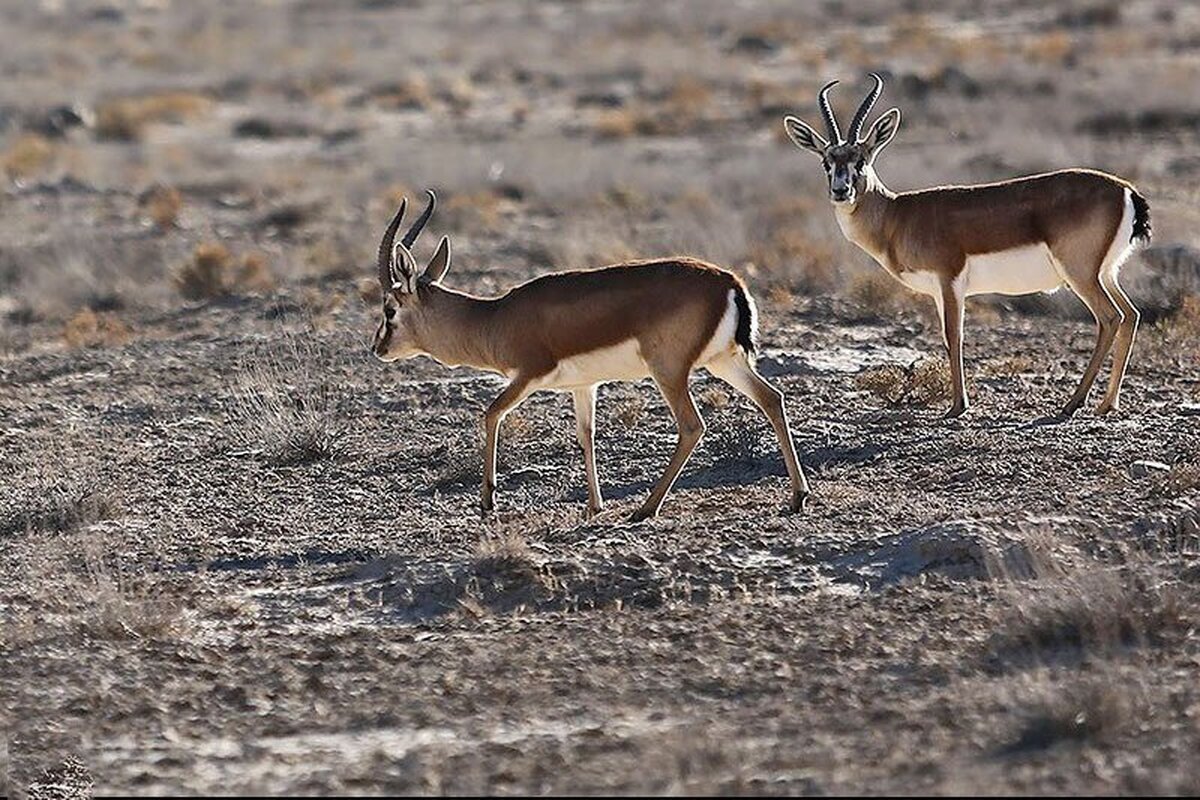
389, 312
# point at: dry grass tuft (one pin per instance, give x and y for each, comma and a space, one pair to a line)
481, 209
1184, 324
62, 502
630, 410
1008, 366
922, 384
1181, 479
91, 329
27, 156
1052, 48
411, 93
126, 118
214, 272
1084, 709
1088, 608
161, 205
876, 293
791, 254
284, 413
109, 602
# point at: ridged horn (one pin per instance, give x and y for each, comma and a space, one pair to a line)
385, 247
419, 225
831, 127
860, 116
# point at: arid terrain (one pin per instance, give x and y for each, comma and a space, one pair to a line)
239, 555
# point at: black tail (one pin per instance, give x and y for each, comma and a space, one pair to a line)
747, 330
1141, 219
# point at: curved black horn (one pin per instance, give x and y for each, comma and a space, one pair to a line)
385, 248
860, 116
835, 137
415, 230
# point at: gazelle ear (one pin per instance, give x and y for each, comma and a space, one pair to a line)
439, 263
882, 132
803, 136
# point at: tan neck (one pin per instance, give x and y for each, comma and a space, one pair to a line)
458, 329
866, 221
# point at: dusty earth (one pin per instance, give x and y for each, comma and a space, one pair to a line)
241, 556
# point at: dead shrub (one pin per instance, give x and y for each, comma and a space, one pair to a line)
1055, 47
88, 328
214, 272
411, 93
161, 205
125, 118
28, 155
923, 384
481, 209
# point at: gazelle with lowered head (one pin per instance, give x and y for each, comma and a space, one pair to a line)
571, 331
1020, 236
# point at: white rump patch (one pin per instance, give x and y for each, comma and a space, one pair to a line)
1121, 246
724, 337
1021, 270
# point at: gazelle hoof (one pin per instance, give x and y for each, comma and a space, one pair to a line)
641, 515
798, 503
1107, 408
955, 412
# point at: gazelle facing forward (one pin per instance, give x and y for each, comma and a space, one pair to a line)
573, 330
1020, 236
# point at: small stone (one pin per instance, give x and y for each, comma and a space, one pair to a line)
1190, 409
1145, 468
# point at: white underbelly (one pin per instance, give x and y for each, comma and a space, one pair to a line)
1021, 270
922, 282
620, 362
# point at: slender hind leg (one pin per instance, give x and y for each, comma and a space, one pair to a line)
1123, 347
738, 372
674, 387
1108, 319
585, 412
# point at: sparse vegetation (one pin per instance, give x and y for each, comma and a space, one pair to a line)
88, 328
924, 383
285, 414
1072, 708
58, 502
27, 156
878, 294
214, 272
126, 118
161, 205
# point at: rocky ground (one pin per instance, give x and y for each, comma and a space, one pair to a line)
242, 556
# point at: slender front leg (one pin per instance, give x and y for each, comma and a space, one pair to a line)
674, 388
585, 414
951, 307
513, 394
